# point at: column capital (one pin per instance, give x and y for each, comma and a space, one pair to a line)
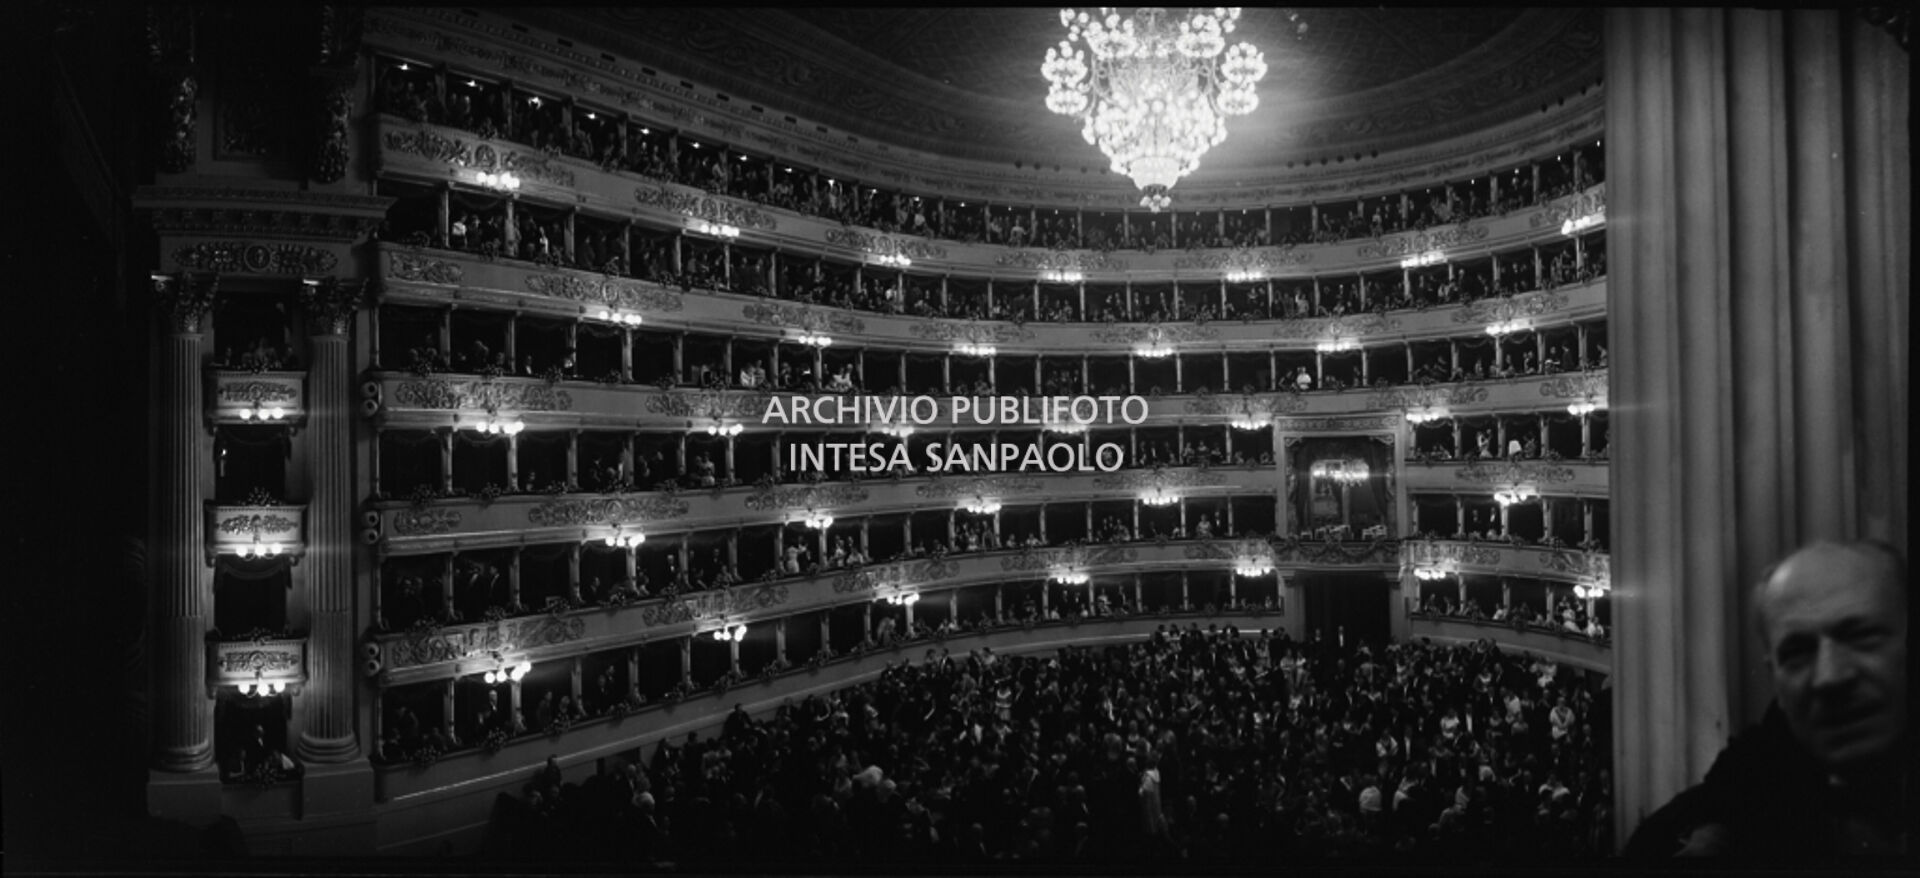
330, 302
185, 298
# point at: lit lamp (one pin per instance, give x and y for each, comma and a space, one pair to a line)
818, 520
982, 506
620, 538
1585, 407
1159, 497
508, 673
722, 428
734, 633
259, 549
1516, 494
622, 318
501, 182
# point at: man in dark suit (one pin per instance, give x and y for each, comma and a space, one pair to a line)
1828, 772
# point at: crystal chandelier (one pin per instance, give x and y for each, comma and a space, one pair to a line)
1158, 90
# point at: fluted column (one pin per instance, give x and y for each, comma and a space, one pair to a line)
327, 730
1759, 207
182, 582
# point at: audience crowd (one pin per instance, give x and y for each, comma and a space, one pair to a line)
1194, 747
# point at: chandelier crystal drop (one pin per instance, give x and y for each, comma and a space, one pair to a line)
1154, 88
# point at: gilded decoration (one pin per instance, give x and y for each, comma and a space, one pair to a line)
1252, 404
233, 257
1495, 311
708, 404
885, 245
479, 393
1159, 477
264, 658
1461, 394
1432, 552
605, 510
177, 144
1245, 259
415, 522
874, 577
1228, 550
1595, 565
801, 317
1340, 425
1514, 474
714, 605
804, 497
253, 523
706, 207
426, 269
1031, 560
474, 641
1589, 385
1592, 202
1298, 551
975, 333
1061, 260
1350, 326
1154, 333
603, 291
247, 392
1397, 246
984, 486
480, 156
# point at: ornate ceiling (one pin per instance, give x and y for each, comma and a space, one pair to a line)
965, 83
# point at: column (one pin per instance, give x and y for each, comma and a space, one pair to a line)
182, 582
333, 657
686, 659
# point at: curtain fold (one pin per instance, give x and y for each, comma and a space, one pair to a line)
1757, 219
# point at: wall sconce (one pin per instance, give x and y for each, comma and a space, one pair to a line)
717, 230
1426, 415
621, 539
1337, 345
262, 687
1159, 497
1585, 408
722, 428
496, 426
977, 350
622, 318
256, 412
1516, 494
982, 506
1154, 350
501, 182
814, 339
1430, 573
1508, 327
1253, 568
818, 520
894, 260
259, 549
735, 633
1245, 275
1074, 576
1062, 276
508, 673
1581, 224
902, 599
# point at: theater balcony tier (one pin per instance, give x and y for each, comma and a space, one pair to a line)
404, 528
434, 653
458, 789
1571, 478
256, 532
1566, 648
1491, 558
407, 401
440, 155
245, 397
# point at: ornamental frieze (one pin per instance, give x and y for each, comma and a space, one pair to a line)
230, 257
1460, 394
480, 156
480, 393
248, 392
714, 605
415, 522
1155, 333
604, 291
1246, 404
1245, 259
707, 404
770, 498
878, 576
985, 486
1228, 550
973, 333
1592, 202
1495, 311
705, 207
885, 245
1340, 425
246, 524
1063, 260
1329, 552
1421, 242
1030, 560
1588, 385
261, 659
1418, 552
1596, 565
1514, 474
803, 318
605, 510
416, 267
1159, 477
474, 641
1350, 326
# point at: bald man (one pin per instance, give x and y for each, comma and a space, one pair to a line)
1829, 771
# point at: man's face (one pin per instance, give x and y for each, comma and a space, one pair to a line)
1836, 633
